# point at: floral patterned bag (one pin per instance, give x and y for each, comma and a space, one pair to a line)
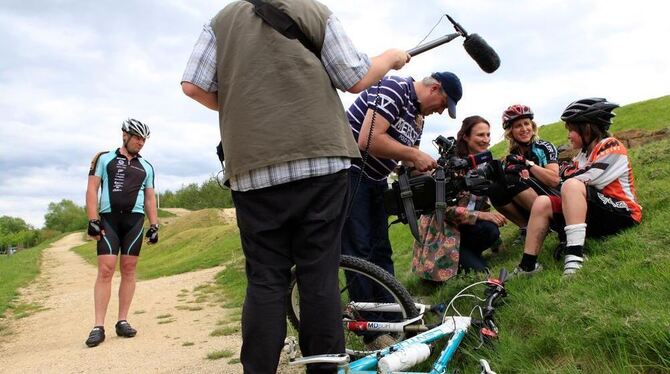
437, 259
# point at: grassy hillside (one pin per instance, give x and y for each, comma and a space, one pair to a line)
646, 115
197, 241
611, 318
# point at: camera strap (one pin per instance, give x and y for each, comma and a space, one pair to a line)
284, 24
408, 204
440, 194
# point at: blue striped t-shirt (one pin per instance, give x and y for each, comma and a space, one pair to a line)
398, 105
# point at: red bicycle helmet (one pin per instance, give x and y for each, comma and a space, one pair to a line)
515, 112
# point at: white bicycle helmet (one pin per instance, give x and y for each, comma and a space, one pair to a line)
135, 127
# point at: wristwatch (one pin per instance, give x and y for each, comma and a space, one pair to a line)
530, 164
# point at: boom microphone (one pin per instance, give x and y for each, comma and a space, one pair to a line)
482, 53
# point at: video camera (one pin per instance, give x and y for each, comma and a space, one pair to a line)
424, 194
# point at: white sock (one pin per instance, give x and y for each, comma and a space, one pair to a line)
575, 234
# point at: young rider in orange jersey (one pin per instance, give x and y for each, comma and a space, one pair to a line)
598, 192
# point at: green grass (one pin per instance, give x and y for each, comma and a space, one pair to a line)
165, 214
234, 283
220, 354
18, 270
612, 317
646, 115
226, 330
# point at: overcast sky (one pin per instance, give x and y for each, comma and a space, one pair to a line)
72, 71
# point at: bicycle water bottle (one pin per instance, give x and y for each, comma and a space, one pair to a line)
405, 358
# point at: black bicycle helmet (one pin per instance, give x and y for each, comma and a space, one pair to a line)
594, 110
135, 127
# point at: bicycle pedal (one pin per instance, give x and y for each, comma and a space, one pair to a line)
340, 359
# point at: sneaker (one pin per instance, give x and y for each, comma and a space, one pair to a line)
96, 336
124, 329
519, 272
572, 264
380, 342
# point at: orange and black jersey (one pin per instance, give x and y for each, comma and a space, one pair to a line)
608, 169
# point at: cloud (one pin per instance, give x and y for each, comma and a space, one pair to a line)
71, 71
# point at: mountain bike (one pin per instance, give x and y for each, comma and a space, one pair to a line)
390, 309
408, 350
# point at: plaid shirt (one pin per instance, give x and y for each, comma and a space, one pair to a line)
345, 66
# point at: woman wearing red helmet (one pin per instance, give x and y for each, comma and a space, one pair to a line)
531, 168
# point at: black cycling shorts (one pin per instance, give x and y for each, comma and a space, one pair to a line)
604, 216
123, 234
501, 194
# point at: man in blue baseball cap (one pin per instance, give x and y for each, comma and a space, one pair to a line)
452, 87
400, 105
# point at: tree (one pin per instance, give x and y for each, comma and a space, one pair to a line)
16, 232
65, 216
11, 225
193, 196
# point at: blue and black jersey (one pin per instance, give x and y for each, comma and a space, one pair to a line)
123, 181
542, 153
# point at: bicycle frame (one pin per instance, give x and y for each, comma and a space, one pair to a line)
457, 326
385, 327
405, 354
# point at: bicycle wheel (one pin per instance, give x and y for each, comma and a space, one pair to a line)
390, 303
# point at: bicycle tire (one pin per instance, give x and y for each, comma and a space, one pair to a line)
359, 267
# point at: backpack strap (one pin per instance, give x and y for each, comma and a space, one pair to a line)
283, 23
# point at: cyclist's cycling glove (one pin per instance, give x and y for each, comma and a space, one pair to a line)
94, 227
152, 234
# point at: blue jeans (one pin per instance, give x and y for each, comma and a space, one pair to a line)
365, 235
475, 239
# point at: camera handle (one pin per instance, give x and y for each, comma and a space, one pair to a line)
408, 203
440, 202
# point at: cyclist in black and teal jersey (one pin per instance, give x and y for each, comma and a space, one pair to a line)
531, 168
126, 182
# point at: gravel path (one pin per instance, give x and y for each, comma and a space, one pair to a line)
52, 340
